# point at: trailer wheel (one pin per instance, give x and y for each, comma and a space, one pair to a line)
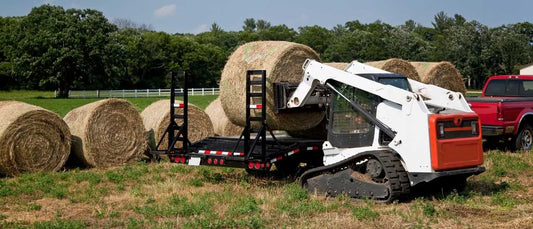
524, 138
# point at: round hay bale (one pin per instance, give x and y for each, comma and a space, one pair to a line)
283, 62
318, 132
221, 124
156, 118
106, 133
31, 139
396, 65
338, 65
443, 74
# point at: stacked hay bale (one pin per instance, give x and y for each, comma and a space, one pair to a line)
319, 132
443, 74
283, 62
106, 133
396, 65
221, 124
338, 65
31, 139
156, 118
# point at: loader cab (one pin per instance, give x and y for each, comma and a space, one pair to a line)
346, 127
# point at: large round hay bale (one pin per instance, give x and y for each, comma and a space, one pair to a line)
318, 132
106, 133
396, 65
338, 65
31, 139
221, 124
156, 118
283, 62
443, 74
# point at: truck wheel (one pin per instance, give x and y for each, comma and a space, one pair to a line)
524, 139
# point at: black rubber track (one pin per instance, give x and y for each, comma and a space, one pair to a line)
396, 176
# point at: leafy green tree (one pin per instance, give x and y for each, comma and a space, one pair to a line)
249, 25
58, 49
7, 26
507, 50
464, 46
407, 45
146, 58
315, 37
227, 41
278, 33
262, 25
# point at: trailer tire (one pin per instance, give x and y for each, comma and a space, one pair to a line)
524, 138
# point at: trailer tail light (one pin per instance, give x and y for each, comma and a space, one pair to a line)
250, 165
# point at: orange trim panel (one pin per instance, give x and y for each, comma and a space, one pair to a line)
455, 153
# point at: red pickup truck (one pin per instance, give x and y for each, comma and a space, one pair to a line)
505, 109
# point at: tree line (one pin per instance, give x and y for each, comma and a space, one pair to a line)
56, 49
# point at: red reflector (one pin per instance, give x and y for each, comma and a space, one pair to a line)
268, 165
209, 161
257, 165
250, 165
216, 161
219, 152
221, 161
279, 158
296, 150
315, 147
183, 160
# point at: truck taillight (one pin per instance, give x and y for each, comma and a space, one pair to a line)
499, 113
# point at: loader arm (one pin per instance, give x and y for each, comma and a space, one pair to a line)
316, 73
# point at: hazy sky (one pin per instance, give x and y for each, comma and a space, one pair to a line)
194, 16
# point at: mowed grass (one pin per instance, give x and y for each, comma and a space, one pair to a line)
165, 195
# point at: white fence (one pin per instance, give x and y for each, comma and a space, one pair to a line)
136, 93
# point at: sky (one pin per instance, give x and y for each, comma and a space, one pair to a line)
196, 16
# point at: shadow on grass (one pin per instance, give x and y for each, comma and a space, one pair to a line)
447, 191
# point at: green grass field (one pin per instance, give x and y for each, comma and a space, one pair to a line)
165, 195
63, 106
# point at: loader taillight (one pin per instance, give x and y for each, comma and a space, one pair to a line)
441, 130
455, 141
475, 127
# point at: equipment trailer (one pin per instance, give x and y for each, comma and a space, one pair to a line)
385, 134
257, 153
